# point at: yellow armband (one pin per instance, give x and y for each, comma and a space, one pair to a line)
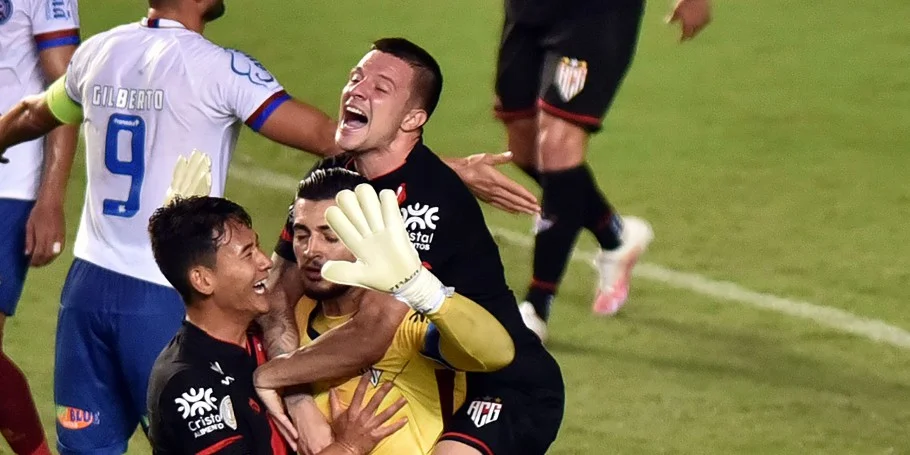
61, 105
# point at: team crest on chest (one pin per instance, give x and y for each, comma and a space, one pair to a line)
484, 411
6, 11
570, 77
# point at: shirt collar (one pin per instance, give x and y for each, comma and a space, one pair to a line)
161, 23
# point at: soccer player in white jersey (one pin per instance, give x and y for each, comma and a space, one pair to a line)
149, 92
37, 40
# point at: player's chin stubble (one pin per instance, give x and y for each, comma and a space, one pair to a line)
326, 293
216, 11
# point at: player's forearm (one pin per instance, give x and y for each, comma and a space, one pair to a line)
471, 339
28, 120
339, 353
301, 126
60, 149
312, 426
280, 331
60, 145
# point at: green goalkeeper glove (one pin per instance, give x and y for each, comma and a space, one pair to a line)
192, 177
372, 228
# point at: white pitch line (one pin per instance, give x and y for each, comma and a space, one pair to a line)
826, 316
823, 315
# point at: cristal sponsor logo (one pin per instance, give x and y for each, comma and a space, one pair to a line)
195, 402
200, 402
76, 419
418, 218
206, 424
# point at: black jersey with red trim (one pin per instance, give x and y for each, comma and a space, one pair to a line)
447, 227
202, 400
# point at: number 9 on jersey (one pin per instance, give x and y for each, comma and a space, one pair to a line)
134, 168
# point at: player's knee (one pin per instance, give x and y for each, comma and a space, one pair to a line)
561, 143
523, 142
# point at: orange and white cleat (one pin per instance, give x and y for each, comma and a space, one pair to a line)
615, 266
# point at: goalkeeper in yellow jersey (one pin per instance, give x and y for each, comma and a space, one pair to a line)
439, 333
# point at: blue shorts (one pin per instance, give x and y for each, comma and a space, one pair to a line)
110, 329
13, 261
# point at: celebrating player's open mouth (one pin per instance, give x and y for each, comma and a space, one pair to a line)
259, 287
353, 118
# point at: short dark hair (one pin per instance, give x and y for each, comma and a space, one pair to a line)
324, 184
187, 232
427, 74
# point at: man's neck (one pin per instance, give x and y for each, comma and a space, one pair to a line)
376, 163
228, 328
190, 21
344, 304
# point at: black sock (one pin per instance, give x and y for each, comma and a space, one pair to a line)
563, 217
600, 218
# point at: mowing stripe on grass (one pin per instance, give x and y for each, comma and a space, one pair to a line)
826, 316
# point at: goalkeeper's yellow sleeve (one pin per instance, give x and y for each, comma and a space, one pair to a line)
61, 105
471, 339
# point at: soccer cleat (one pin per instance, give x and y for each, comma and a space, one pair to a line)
615, 267
533, 321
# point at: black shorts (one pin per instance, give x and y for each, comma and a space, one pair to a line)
506, 420
570, 66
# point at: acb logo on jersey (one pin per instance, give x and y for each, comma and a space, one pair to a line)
484, 412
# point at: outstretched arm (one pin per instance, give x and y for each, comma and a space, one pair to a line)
489, 185
38, 115
45, 229
341, 352
28, 120
299, 125
466, 337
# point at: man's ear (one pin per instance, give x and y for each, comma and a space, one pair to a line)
202, 280
414, 120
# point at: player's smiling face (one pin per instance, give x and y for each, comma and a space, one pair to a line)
241, 270
314, 244
376, 104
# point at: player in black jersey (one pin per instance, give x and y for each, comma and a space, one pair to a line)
388, 99
201, 395
560, 65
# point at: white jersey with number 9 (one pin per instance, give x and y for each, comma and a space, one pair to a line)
151, 92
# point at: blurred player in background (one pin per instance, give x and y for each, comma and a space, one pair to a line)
149, 92
560, 66
37, 41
